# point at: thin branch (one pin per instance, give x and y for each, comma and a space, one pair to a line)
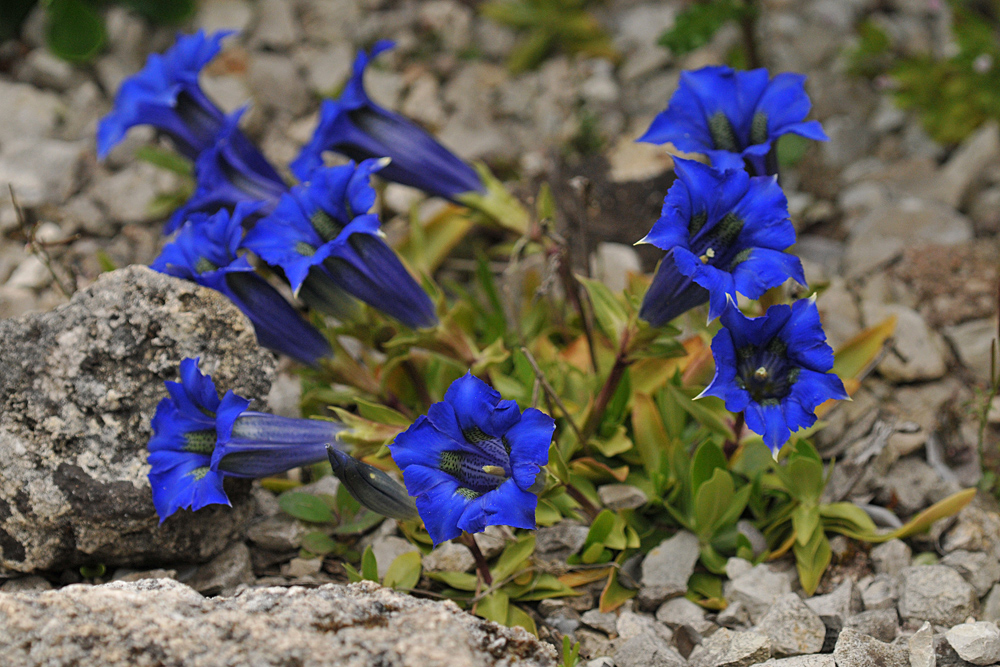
551, 393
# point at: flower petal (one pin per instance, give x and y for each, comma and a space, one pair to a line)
529, 442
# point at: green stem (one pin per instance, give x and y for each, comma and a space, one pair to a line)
608, 390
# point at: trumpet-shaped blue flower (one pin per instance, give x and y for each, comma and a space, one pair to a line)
474, 461
199, 439
228, 171
205, 252
774, 367
356, 127
322, 232
724, 232
735, 117
166, 95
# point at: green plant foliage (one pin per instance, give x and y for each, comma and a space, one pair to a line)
695, 26
872, 55
75, 31
550, 26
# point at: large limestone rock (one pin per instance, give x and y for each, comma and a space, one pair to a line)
162, 622
78, 387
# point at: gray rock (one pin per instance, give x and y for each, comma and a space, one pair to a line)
854, 649
225, 572
300, 568
816, 660
880, 593
278, 533
891, 557
41, 68
921, 645
25, 584
450, 20
835, 607
882, 624
966, 165
28, 113
667, 568
681, 612
621, 496
758, 589
327, 69
733, 616
935, 593
606, 622
603, 661
388, 549
564, 536
913, 485
612, 263
921, 348
975, 529
793, 627
349, 626
978, 643
630, 624
275, 82
128, 195
40, 170
647, 650
80, 386
985, 211
224, 15
980, 569
971, 341
423, 101
991, 606
449, 557
276, 25
726, 648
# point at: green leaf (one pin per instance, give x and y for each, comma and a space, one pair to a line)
494, 607
369, 567
362, 523
463, 581
805, 520
695, 26
608, 311
306, 507
708, 411
164, 11
920, 523
105, 262
92, 571
353, 575
857, 354
812, 559
404, 572
846, 515
805, 479
165, 159
320, 544
513, 557
517, 617
614, 594
613, 445
600, 528
381, 414
75, 31
711, 501
707, 459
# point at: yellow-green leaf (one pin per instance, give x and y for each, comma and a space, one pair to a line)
404, 572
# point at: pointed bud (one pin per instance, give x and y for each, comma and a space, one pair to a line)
371, 487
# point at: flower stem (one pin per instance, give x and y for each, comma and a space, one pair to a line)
608, 390
481, 565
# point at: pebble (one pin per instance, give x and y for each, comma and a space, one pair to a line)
387, 549
978, 643
224, 15
606, 622
921, 350
647, 650
277, 533
276, 25
667, 568
28, 113
792, 626
726, 648
449, 557
972, 340
758, 589
882, 624
276, 84
935, 593
224, 572
815, 660
838, 605
855, 649
880, 593
921, 645
621, 496
302, 567
980, 569
991, 605
681, 612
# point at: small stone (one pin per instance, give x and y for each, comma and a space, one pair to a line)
276, 25
952, 182
733, 616
680, 612
41, 68
603, 661
854, 649
423, 101
450, 20
25, 584
985, 211
30, 274
816, 660
758, 589
327, 69
216, 15
921, 645
922, 349
564, 536
647, 650
891, 557
387, 549
28, 113
935, 593
224, 572
913, 485
972, 341
792, 626
302, 567
882, 624
621, 496
565, 619
630, 624
612, 264
133, 575
277, 533
978, 643
726, 648
838, 605
275, 82
128, 195
880, 593
40, 171
606, 622
667, 568
449, 557
980, 569
991, 605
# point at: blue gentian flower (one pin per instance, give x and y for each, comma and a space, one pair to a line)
199, 439
474, 461
228, 171
166, 95
724, 232
735, 117
774, 367
321, 232
356, 127
205, 252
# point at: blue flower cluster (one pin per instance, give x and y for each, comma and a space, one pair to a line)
320, 234
200, 439
725, 229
